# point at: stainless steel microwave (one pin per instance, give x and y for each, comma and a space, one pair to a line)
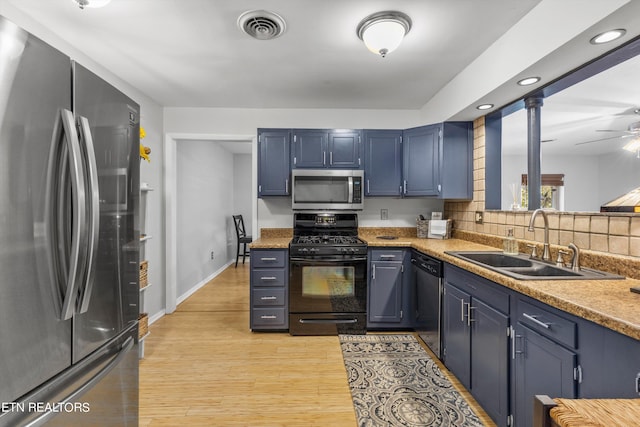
327, 189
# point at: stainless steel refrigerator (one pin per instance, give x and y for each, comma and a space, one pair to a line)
69, 241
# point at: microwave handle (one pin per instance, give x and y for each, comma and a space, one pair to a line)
350, 189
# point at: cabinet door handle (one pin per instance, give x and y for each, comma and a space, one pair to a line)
577, 374
462, 303
405, 187
373, 272
532, 317
270, 298
330, 158
267, 317
469, 319
514, 337
387, 256
286, 186
324, 158
268, 278
268, 259
368, 187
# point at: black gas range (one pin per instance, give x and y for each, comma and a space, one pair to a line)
326, 234
328, 266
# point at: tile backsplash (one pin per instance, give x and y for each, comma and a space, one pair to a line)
617, 233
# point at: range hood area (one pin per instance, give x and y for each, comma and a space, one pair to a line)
628, 202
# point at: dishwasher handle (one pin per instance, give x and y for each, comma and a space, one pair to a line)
431, 266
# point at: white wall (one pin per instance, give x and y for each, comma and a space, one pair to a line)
205, 203
620, 173
581, 179
276, 212
590, 181
242, 185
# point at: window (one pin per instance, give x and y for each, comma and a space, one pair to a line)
551, 191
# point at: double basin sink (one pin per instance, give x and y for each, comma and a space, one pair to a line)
522, 267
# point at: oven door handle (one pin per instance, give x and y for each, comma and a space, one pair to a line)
328, 321
312, 261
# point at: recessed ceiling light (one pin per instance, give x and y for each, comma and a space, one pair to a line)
529, 81
484, 106
608, 36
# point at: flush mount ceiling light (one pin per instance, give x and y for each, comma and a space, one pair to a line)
529, 81
608, 36
91, 3
484, 106
261, 24
383, 32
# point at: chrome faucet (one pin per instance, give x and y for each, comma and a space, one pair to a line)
575, 258
546, 256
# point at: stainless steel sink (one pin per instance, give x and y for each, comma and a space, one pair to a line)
524, 268
494, 259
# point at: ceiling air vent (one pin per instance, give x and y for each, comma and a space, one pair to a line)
261, 24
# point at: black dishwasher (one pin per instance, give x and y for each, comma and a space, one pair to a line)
428, 281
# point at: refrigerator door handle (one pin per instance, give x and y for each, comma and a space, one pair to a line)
93, 210
65, 237
128, 344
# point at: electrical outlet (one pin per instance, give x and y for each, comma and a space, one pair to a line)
384, 214
211, 254
479, 217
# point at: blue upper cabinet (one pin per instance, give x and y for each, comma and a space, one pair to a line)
421, 166
273, 163
317, 149
382, 162
456, 161
437, 161
344, 149
309, 149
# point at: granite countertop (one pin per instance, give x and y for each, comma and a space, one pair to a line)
271, 243
605, 302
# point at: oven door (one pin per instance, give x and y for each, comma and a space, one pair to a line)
327, 295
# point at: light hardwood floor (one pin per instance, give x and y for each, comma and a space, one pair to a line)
204, 367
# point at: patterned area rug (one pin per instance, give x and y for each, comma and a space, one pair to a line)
394, 382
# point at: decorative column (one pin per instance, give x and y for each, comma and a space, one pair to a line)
534, 178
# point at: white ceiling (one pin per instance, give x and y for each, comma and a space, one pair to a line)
191, 53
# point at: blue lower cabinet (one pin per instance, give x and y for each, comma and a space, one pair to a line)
540, 366
269, 289
389, 300
475, 339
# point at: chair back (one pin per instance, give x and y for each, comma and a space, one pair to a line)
239, 223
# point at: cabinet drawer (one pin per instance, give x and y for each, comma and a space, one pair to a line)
387, 255
547, 323
274, 317
478, 287
268, 258
268, 297
269, 277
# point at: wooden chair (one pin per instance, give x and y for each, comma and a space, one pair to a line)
242, 237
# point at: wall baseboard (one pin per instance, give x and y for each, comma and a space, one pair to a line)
203, 282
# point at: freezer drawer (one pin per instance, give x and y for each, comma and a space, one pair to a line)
101, 390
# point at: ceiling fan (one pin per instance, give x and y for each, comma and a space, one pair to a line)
633, 130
